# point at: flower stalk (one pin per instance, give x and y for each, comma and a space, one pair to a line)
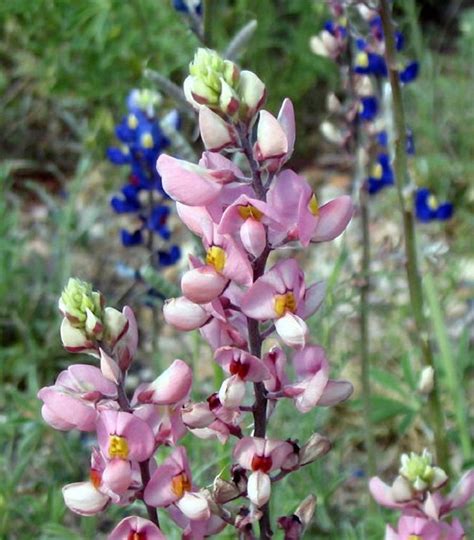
412, 270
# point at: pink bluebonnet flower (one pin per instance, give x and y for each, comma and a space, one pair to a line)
313, 386
281, 295
136, 528
124, 439
262, 456
242, 367
76, 398
171, 483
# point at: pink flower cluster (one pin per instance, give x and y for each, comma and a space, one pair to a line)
415, 492
237, 299
123, 468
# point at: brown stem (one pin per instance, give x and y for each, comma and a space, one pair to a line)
255, 337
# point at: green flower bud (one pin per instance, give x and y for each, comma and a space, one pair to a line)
80, 304
207, 71
420, 472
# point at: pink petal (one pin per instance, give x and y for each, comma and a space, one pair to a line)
237, 266
62, 409
462, 492
334, 217
246, 449
187, 183
117, 475
253, 236
221, 168
171, 387
313, 298
286, 118
184, 314
140, 439
196, 218
202, 285
382, 493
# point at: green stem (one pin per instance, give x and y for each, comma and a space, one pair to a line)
364, 306
449, 364
207, 23
413, 274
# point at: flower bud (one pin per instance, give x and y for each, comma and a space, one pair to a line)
252, 94
197, 415
305, 510
223, 491
420, 472
228, 100
216, 133
115, 325
208, 71
426, 383
315, 447
77, 300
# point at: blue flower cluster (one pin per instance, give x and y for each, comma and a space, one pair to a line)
142, 141
368, 60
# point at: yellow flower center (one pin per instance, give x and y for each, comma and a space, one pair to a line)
285, 302
180, 484
432, 202
313, 205
132, 121
362, 59
216, 257
249, 211
147, 140
377, 171
118, 447
414, 537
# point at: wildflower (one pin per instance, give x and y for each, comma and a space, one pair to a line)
427, 207
381, 176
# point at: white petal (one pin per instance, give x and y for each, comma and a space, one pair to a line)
259, 488
194, 506
84, 499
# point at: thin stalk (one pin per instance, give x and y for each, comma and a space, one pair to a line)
413, 275
364, 305
207, 24
449, 364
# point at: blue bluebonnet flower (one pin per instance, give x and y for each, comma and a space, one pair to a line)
187, 6
427, 207
410, 72
382, 138
368, 108
369, 63
142, 141
381, 176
